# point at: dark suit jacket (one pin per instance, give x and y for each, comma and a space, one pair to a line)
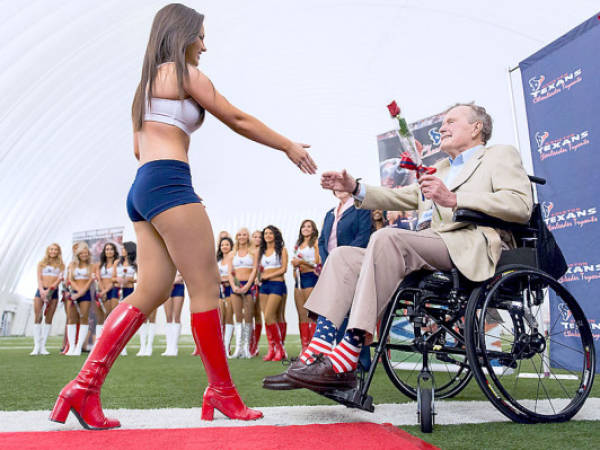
354, 229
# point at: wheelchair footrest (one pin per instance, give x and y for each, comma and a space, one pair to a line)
352, 398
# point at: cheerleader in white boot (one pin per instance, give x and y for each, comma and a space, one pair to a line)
81, 279
173, 308
46, 297
226, 310
147, 332
242, 271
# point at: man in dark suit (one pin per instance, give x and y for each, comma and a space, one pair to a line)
352, 226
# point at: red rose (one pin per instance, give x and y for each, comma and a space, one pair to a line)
393, 108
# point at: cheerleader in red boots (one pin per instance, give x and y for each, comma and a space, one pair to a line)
173, 307
226, 309
50, 270
81, 278
305, 262
242, 270
172, 228
109, 258
255, 337
274, 259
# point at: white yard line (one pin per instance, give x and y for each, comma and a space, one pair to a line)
449, 412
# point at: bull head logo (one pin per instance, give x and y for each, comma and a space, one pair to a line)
564, 310
546, 208
435, 136
535, 83
540, 137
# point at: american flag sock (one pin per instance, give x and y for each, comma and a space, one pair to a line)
322, 341
344, 356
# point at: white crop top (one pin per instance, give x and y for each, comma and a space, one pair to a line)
270, 262
50, 271
185, 114
307, 254
125, 272
105, 272
223, 270
243, 262
81, 273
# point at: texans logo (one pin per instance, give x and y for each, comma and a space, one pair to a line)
565, 312
435, 136
535, 83
546, 208
540, 138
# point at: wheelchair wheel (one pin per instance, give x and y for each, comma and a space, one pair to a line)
403, 362
520, 358
425, 409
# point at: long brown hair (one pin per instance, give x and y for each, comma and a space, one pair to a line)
174, 28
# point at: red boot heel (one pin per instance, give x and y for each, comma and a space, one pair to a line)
208, 410
60, 411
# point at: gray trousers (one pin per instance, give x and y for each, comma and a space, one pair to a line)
362, 281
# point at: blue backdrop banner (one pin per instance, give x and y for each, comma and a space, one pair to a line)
561, 84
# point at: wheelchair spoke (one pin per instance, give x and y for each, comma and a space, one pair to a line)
544, 387
566, 346
558, 380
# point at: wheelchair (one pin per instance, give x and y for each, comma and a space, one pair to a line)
440, 330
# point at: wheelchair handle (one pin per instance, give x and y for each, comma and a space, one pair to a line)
537, 180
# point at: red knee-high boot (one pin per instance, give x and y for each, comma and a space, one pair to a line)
272, 331
220, 392
257, 333
82, 395
278, 344
304, 334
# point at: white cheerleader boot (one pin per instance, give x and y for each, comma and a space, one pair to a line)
169, 338
150, 339
83, 329
238, 340
175, 337
246, 332
227, 337
45, 332
143, 339
71, 338
37, 335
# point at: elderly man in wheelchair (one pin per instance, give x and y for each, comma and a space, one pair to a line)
466, 296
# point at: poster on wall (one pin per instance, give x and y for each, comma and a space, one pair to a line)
96, 239
561, 83
426, 131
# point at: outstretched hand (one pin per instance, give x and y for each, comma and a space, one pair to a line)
338, 181
301, 158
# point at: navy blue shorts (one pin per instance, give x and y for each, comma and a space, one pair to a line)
160, 185
307, 280
273, 287
225, 291
178, 290
54, 294
113, 293
87, 297
127, 291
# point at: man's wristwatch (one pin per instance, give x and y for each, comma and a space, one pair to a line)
357, 187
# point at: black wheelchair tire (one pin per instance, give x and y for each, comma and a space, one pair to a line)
425, 409
497, 395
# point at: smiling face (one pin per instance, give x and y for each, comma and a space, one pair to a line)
377, 214
225, 247
269, 236
459, 131
84, 255
53, 251
195, 49
242, 237
110, 251
307, 229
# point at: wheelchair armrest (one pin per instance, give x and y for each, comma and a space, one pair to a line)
479, 218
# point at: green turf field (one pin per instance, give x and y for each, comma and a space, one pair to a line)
32, 383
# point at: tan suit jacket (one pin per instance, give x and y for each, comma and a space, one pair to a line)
492, 181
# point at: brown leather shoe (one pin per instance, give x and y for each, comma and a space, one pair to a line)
320, 376
279, 382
